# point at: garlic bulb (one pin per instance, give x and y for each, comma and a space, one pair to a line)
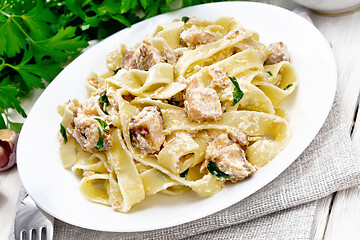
8, 142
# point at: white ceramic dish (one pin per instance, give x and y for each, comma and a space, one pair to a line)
331, 6
56, 190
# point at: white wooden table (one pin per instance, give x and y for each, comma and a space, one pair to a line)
338, 215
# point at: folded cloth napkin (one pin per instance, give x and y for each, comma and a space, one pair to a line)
284, 209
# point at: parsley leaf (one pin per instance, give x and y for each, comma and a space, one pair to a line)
12, 39
38, 21
60, 46
183, 174
63, 133
288, 86
237, 93
131, 138
32, 74
172, 101
8, 99
103, 124
214, 170
270, 73
83, 134
153, 9
144, 3
115, 71
2, 122
127, 6
185, 19
104, 101
100, 142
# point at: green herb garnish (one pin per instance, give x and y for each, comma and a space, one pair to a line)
131, 138
288, 86
172, 101
104, 101
115, 71
183, 174
166, 61
214, 170
270, 73
103, 124
63, 133
100, 142
237, 93
83, 134
185, 19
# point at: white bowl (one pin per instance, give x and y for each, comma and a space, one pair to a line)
330, 6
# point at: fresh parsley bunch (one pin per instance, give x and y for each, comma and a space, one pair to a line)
33, 46
39, 37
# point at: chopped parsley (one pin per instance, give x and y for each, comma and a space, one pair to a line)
83, 134
100, 142
237, 93
63, 133
214, 170
288, 86
131, 138
166, 61
104, 101
185, 19
183, 174
103, 124
270, 73
172, 101
115, 71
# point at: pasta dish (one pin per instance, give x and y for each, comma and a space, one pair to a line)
192, 107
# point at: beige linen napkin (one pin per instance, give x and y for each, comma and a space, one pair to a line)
284, 209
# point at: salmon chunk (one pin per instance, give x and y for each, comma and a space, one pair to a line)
146, 130
239, 137
149, 56
86, 133
278, 53
145, 57
202, 104
194, 37
219, 78
229, 157
130, 59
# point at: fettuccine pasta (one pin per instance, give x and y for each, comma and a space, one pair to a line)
194, 106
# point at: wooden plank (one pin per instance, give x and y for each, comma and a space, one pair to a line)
323, 208
342, 34
9, 191
9, 180
344, 218
343, 42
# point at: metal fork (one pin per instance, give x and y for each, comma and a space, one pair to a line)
31, 223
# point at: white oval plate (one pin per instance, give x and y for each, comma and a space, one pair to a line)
56, 190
